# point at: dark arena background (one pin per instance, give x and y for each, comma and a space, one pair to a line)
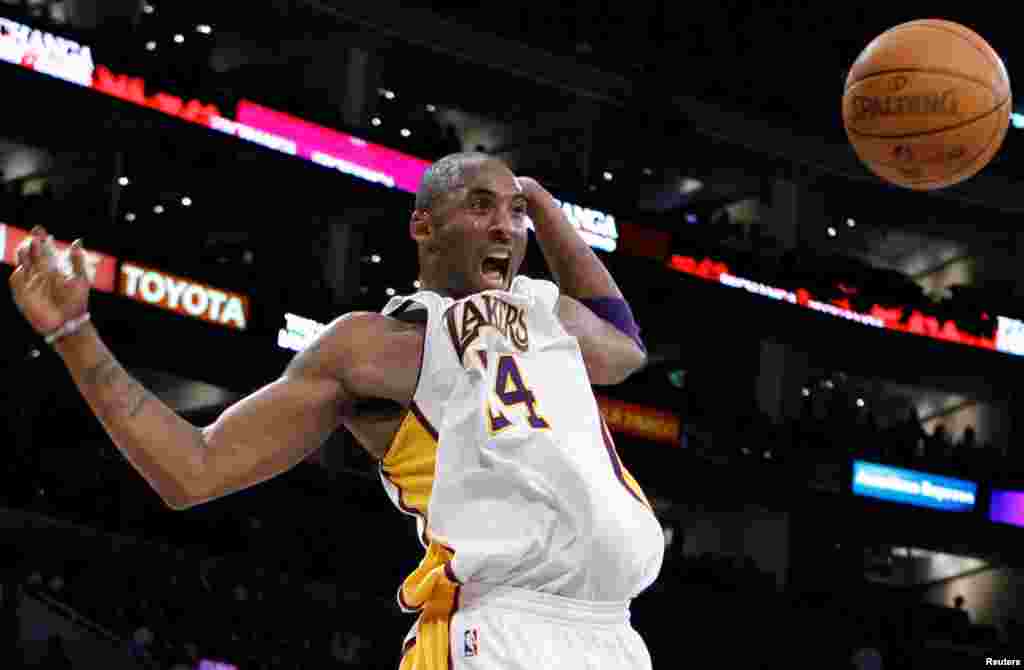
829, 425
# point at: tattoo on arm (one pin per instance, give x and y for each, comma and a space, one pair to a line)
141, 396
103, 373
129, 397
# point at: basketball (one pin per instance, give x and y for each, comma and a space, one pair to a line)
927, 104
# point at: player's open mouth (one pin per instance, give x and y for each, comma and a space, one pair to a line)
495, 266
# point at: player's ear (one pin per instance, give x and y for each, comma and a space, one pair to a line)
420, 225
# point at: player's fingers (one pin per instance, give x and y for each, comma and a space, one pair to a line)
25, 253
49, 250
36, 254
17, 278
78, 259
36, 282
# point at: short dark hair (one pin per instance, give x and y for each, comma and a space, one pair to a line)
445, 176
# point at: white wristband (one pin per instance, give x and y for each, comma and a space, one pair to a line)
68, 328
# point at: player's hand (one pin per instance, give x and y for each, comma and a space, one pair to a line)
537, 197
529, 187
49, 289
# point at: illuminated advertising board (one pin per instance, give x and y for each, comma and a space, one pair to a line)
184, 296
100, 268
646, 423
1006, 507
1008, 335
597, 228
211, 664
133, 89
45, 52
911, 487
298, 332
337, 150
56, 56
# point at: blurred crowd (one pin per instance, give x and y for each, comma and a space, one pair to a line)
170, 611
728, 606
838, 422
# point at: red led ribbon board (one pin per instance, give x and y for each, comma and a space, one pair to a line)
1009, 332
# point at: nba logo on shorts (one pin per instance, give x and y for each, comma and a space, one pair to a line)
470, 647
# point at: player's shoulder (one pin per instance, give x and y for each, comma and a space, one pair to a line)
352, 337
372, 355
360, 327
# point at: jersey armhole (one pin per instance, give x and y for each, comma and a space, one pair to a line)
412, 310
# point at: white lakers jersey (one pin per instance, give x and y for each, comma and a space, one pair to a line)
505, 459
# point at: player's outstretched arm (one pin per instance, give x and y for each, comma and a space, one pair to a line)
265, 434
362, 355
358, 356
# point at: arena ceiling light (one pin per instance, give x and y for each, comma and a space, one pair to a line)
689, 186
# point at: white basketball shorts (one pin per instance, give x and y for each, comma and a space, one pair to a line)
500, 628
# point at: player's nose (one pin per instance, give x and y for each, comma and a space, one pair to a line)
502, 226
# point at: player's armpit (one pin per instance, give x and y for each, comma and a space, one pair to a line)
610, 355
359, 356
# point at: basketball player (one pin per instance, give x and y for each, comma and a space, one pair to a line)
474, 395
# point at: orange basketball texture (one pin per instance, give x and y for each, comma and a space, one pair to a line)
927, 104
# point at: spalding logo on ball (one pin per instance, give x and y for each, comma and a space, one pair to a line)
927, 104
